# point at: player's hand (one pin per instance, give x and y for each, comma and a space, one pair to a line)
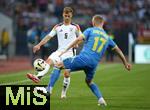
36, 48
128, 66
76, 46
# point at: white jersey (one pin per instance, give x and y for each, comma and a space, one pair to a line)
66, 34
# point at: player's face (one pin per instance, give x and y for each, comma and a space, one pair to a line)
67, 16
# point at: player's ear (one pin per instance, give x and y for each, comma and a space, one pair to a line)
71, 15
93, 23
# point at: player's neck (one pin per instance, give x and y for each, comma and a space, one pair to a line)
101, 27
98, 26
67, 22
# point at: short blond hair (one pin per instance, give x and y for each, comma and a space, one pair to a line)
68, 9
98, 19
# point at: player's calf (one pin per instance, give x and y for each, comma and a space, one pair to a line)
95, 90
66, 83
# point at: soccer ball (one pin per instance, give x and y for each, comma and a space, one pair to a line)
39, 64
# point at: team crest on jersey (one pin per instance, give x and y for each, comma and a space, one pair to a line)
61, 30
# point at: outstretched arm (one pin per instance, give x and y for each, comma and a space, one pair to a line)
76, 42
43, 41
122, 57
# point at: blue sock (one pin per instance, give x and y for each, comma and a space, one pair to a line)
95, 90
54, 77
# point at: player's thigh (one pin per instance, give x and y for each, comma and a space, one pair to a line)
55, 57
67, 55
73, 63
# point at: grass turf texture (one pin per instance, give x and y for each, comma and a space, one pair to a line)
121, 89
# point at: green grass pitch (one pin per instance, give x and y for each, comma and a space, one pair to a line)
121, 89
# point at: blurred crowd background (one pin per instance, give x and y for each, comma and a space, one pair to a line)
35, 18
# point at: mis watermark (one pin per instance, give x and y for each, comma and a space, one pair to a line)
23, 97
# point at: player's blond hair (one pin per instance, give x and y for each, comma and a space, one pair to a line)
68, 9
98, 19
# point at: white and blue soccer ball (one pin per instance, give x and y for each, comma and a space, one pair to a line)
39, 64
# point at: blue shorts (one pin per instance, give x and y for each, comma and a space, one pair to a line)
78, 63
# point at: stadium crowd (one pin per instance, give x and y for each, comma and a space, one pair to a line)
121, 16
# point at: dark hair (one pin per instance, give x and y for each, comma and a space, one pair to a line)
68, 9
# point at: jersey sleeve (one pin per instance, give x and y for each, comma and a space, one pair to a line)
53, 31
86, 34
112, 44
78, 30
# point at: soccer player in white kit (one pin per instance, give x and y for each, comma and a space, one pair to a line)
66, 33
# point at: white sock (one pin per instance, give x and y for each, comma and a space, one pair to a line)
50, 90
66, 84
101, 101
42, 73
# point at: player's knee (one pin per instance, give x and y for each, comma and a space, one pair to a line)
59, 65
49, 61
88, 82
66, 74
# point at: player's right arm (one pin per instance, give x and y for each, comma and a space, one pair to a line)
45, 39
81, 38
75, 42
78, 33
42, 42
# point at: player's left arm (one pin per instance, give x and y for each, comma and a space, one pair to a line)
120, 54
122, 57
78, 33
